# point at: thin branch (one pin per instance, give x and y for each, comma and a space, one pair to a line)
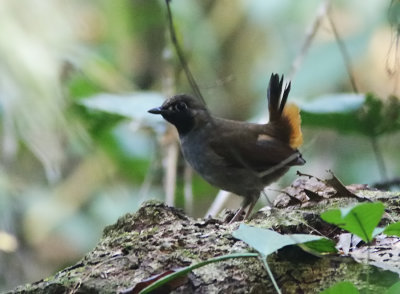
181, 55
345, 54
322, 11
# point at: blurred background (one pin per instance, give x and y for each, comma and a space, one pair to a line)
78, 149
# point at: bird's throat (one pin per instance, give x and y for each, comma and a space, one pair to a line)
184, 124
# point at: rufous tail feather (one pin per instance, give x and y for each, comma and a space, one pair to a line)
292, 113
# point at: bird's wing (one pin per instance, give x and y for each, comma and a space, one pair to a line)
248, 145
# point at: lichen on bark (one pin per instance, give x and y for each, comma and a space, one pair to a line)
158, 238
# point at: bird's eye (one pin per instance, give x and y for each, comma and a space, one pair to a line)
180, 106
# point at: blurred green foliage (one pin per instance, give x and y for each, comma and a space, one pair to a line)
78, 150
366, 115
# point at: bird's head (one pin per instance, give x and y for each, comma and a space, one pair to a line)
183, 111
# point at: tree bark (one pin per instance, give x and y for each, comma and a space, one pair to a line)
158, 238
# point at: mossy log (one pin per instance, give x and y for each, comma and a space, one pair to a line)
158, 238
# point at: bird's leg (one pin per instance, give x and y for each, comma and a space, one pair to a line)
237, 214
247, 202
251, 206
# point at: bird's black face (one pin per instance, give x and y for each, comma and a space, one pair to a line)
180, 111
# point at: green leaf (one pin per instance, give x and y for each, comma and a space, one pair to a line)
80, 86
133, 105
360, 220
267, 241
354, 113
335, 103
392, 229
341, 288
394, 289
323, 246
334, 112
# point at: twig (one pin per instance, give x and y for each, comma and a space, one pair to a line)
344, 52
300, 174
311, 32
181, 56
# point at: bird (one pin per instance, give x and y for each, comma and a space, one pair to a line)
238, 156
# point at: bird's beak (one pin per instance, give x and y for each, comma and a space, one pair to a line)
156, 110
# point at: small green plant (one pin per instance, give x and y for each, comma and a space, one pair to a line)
361, 220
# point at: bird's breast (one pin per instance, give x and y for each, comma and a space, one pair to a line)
196, 150
214, 169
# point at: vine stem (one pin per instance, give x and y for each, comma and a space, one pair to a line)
265, 263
